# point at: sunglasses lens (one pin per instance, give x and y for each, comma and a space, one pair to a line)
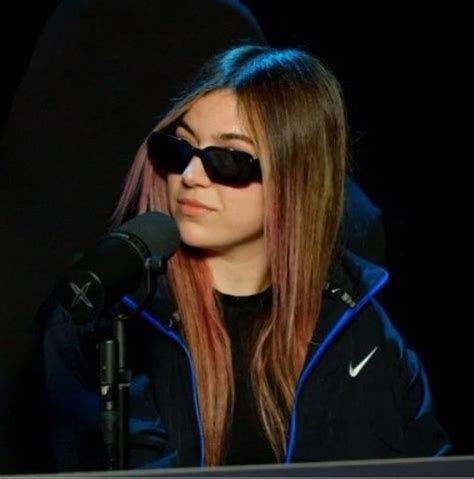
230, 167
224, 165
168, 153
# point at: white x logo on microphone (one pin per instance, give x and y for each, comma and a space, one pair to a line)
80, 294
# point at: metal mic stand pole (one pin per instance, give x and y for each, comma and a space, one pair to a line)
115, 377
108, 353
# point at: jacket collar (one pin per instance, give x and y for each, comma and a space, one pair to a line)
353, 281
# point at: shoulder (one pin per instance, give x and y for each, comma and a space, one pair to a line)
351, 309
371, 335
66, 343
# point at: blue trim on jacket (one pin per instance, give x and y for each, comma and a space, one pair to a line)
319, 353
175, 337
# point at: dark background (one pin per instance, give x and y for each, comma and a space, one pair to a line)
392, 65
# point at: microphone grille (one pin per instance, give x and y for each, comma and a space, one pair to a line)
158, 231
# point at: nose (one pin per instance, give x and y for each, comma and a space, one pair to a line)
195, 174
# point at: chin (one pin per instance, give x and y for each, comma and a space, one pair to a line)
195, 235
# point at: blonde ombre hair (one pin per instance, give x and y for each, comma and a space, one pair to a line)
293, 106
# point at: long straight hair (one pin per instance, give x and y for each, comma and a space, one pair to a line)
294, 109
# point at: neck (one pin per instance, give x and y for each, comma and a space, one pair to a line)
241, 274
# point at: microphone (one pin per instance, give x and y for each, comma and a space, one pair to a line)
117, 265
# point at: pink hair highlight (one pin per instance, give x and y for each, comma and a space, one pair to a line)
192, 285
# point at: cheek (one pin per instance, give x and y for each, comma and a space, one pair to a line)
173, 184
246, 207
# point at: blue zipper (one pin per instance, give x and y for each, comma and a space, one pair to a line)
317, 356
171, 334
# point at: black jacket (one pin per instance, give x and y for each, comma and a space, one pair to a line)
361, 394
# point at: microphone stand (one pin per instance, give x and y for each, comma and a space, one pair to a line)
115, 376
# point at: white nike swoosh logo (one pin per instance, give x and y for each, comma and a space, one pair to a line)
353, 372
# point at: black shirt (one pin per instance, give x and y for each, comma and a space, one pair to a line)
248, 443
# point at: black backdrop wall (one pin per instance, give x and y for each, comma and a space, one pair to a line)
388, 64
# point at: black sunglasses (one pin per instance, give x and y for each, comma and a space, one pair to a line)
222, 165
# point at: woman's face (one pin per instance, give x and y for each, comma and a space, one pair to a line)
211, 216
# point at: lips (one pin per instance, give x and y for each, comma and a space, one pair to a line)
194, 204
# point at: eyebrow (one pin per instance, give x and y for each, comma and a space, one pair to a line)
221, 136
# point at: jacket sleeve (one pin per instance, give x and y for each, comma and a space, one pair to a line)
71, 372
71, 394
423, 435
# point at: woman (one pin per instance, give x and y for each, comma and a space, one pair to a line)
267, 343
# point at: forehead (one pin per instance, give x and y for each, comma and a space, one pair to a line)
216, 112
